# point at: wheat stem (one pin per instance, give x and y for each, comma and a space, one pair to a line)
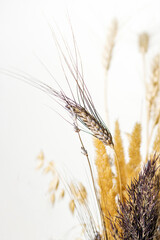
106, 99
94, 186
119, 174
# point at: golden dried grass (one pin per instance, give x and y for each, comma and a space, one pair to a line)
143, 40
156, 144
120, 166
134, 163
109, 45
107, 189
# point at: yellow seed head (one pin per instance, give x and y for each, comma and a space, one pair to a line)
143, 42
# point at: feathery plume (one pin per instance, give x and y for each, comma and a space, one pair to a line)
153, 99
133, 166
154, 88
107, 189
138, 215
120, 166
156, 144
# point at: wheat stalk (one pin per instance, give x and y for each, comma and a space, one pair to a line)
110, 42
96, 127
152, 96
143, 42
81, 110
107, 57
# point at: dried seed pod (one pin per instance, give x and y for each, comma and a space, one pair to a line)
54, 184
72, 206
40, 156
40, 165
62, 193
50, 168
53, 198
79, 192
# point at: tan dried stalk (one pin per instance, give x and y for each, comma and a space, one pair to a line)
105, 236
134, 164
153, 98
108, 51
154, 87
110, 42
156, 144
143, 42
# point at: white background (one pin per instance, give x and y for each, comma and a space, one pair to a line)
27, 124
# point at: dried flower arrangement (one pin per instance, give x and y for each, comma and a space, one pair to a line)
128, 200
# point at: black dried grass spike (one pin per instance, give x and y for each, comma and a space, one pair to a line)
138, 214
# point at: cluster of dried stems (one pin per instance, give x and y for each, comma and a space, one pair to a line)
122, 221
128, 201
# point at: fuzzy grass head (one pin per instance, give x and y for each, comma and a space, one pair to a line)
138, 214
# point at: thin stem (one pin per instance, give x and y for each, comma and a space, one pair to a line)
150, 138
147, 110
94, 186
119, 174
106, 98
